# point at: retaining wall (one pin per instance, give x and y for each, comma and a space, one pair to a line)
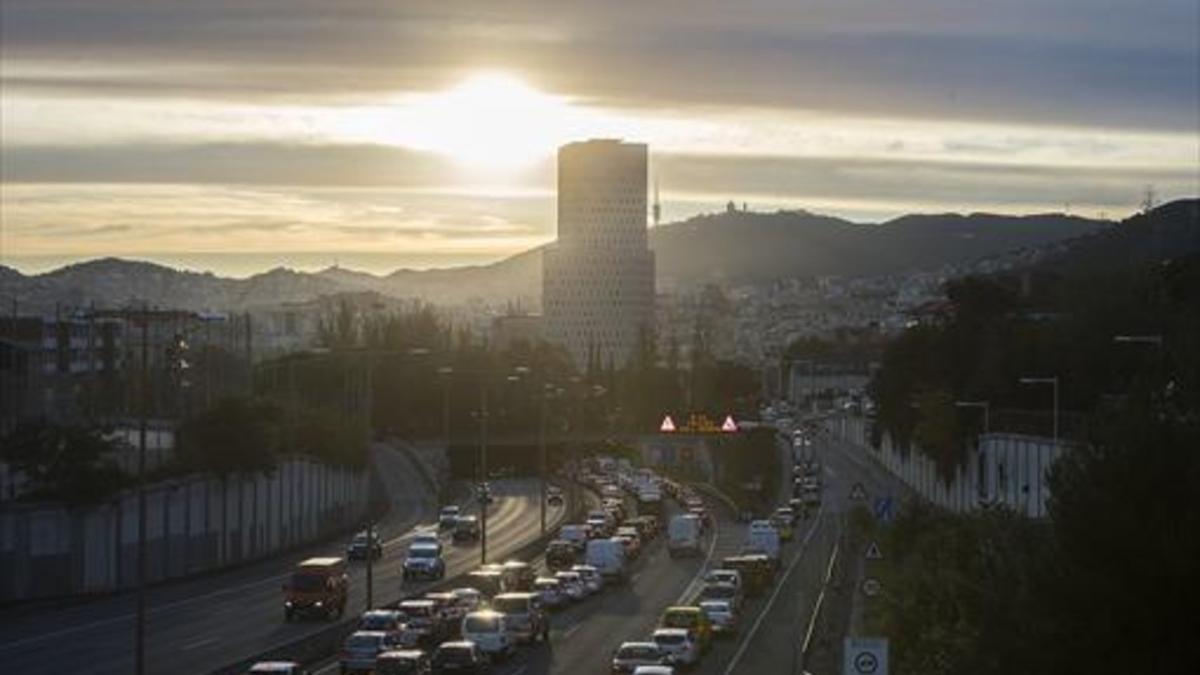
192, 526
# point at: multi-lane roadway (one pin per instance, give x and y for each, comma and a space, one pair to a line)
202, 624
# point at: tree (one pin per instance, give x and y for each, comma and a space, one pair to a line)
71, 463
235, 436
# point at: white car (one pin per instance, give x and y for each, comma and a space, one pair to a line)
678, 645
489, 631
429, 538
721, 615
572, 584
469, 599
551, 592
592, 580
632, 655
448, 517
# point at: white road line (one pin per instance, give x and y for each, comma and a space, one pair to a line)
195, 644
572, 630
779, 587
520, 670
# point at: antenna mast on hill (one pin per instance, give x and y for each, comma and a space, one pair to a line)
1150, 200
656, 211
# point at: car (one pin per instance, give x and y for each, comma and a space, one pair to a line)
277, 668
689, 618
361, 648
403, 662
554, 496
489, 582
428, 537
466, 528
560, 555
424, 561
459, 656
526, 617
722, 591
724, 575
592, 579
446, 610
654, 670
422, 623
518, 575
722, 615
551, 592
577, 534
572, 584
630, 655
489, 630
448, 516
468, 599
361, 546
679, 644
483, 493
630, 542
385, 620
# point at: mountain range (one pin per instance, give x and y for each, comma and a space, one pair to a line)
731, 248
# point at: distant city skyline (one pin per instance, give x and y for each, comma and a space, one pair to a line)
422, 134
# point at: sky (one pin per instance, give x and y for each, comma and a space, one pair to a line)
240, 135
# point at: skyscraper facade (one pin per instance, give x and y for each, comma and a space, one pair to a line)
598, 277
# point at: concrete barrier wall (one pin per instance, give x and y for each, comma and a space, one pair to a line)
1005, 469
192, 526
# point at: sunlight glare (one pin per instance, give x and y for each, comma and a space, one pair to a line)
489, 121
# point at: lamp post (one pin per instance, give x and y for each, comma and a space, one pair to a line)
1053, 382
444, 373
485, 490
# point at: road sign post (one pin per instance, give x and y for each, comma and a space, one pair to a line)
864, 656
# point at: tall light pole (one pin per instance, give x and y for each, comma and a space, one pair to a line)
1053, 382
485, 490
445, 372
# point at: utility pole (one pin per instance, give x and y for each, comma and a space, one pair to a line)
542, 454
369, 396
143, 405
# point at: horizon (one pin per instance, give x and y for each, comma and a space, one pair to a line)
243, 265
210, 128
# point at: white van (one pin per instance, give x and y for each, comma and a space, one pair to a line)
762, 537
608, 557
683, 535
489, 631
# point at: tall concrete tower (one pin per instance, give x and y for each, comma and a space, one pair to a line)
598, 278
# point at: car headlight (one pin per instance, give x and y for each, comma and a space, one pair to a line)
318, 603
288, 604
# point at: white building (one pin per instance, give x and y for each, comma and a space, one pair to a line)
598, 277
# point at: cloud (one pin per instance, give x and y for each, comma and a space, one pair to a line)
1109, 63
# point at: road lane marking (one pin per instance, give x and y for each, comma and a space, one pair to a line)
572, 630
196, 644
737, 656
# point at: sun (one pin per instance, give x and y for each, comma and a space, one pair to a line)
489, 121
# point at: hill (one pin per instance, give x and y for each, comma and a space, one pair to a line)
733, 247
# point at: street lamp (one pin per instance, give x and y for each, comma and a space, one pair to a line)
984, 405
1053, 382
445, 372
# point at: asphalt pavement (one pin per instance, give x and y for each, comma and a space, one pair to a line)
198, 625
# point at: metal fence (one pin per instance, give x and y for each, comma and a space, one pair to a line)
192, 526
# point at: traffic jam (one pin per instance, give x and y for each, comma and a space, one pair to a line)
496, 610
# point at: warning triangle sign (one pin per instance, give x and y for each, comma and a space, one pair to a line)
667, 425
873, 552
729, 425
858, 493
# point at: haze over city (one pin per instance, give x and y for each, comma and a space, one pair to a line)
238, 136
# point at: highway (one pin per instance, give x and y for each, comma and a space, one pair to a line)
201, 624
584, 636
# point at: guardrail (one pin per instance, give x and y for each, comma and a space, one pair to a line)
326, 642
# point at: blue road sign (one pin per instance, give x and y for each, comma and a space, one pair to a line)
885, 509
